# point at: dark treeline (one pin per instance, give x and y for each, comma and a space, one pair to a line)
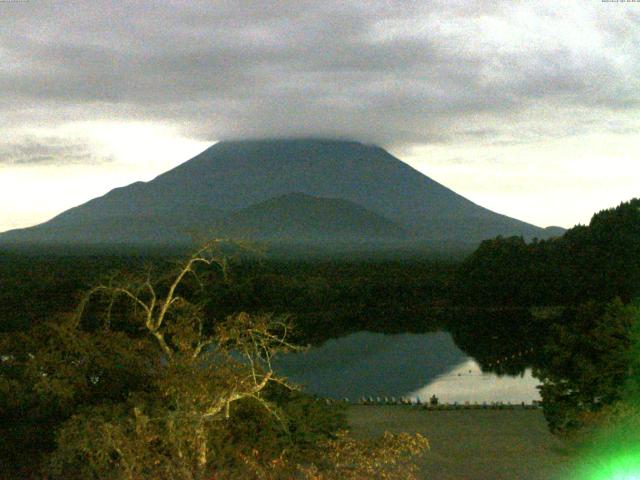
504, 292
36, 285
539, 286
333, 298
573, 300
597, 262
326, 298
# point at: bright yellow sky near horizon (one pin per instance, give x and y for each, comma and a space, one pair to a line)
553, 182
124, 152
528, 108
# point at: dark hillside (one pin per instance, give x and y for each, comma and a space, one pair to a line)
230, 177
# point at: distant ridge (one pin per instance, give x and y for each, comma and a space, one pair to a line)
304, 189
301, 217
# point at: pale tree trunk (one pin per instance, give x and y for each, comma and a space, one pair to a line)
202, 450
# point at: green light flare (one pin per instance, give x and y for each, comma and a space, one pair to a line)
626, 467
615, 451
611, 463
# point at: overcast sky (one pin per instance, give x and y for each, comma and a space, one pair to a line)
529, 108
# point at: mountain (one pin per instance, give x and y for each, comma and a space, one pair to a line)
305, 188
553, 231
301, 217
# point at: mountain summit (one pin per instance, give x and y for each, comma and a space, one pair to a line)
271, 189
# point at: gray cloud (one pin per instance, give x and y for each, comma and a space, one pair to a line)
389, 72
47, 151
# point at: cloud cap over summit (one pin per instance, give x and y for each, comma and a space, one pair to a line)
531, 108
386, 72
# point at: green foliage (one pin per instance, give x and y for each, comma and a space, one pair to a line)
588, 363
584, 281
495, 273
588, 263
608, 444
335, 298
140, 383
326, 298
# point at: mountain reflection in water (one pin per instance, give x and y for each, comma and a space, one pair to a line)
368, 364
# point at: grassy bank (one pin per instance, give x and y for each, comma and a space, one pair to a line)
473, 444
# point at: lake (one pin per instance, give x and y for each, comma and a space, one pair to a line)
366, 364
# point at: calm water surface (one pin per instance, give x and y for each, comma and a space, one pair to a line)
368, 364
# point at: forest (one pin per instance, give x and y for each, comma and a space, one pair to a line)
578, 296
569, 300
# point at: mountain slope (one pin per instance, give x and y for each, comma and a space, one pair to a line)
231, 176
301, 217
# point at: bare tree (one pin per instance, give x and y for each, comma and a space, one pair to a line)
202, 373
185, 381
